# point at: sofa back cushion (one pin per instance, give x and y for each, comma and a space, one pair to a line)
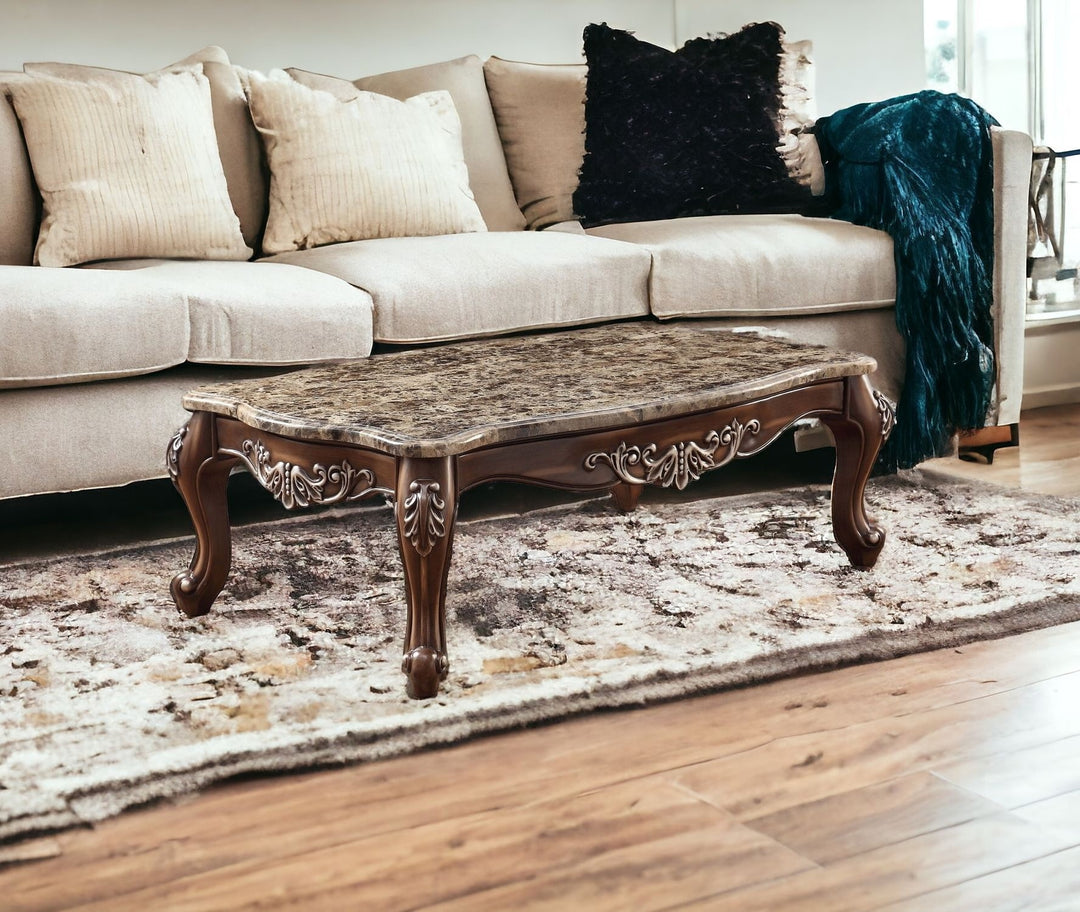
358, 165
798, 106
540, 112
239, 148
18, 192
463, 78
127, 166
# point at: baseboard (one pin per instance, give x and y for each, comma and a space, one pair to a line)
1054, 395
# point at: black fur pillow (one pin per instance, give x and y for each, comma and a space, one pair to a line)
686, 132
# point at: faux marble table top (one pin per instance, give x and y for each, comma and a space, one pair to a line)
449, 399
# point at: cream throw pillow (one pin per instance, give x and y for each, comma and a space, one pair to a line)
361, 166
127, 167
463, 78
239, 146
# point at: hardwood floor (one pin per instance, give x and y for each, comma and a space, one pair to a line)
941, 781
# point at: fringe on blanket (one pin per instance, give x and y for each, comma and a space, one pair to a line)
921, 168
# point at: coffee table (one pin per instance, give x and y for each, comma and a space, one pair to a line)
612, 407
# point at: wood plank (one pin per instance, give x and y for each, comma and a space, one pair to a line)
881, 814
451, 858
1061, 813
793, 770
642, 877
30, 850
1046, 460
896, 872
1048, 884
1024, 776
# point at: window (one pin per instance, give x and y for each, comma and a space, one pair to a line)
1018, 60
1059, 75
941, 25
982, 48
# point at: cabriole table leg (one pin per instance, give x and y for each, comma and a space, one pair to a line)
859, 433
201, 477
425, 508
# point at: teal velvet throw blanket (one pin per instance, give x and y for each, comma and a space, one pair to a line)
920, 167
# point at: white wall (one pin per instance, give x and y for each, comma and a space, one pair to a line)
1051, 374
865, 49
341, 37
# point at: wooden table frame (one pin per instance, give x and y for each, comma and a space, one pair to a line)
669, 452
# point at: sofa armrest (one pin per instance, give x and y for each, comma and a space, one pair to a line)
1012, 176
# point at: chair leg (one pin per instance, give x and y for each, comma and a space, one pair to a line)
979, 445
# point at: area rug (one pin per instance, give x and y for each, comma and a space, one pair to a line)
109, 698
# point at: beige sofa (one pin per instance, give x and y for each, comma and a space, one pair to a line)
94, 358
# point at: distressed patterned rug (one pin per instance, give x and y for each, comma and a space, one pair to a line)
109, 698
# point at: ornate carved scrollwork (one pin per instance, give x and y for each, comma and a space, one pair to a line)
887, 410
425, 515
295, 487
172, 454
680, 463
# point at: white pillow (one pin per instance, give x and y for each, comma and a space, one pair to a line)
127, 167
347, 168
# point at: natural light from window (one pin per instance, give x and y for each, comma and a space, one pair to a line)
1061, 74
981, 48
1019, 59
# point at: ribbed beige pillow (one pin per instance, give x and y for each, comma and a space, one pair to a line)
365, 166
239, 146
127, 168
463, 78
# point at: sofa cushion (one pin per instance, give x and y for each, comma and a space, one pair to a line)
459, 286
127, 167
71, 325
239, 147
18, 192
261, 313
463, 78
238, 144
363, 165
744, 265
540, 111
